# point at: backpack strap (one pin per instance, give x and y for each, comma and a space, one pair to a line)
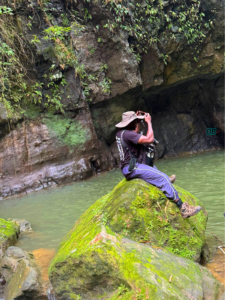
124, 144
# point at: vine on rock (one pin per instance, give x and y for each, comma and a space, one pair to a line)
150, 21
14, 51
145, 23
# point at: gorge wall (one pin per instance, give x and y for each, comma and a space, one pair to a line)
89, 63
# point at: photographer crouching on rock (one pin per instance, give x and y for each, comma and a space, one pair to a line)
137, 158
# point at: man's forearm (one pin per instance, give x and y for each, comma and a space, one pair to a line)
149, 137
150, 133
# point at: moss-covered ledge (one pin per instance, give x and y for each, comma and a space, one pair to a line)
9, 232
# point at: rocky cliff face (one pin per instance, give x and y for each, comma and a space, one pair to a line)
50, 151
89, 62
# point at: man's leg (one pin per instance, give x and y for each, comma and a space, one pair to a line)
172, 177
161, 180
157, 178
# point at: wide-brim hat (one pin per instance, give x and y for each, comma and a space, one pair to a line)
127, 118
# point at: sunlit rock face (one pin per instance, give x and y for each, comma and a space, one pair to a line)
178, 81
125, 245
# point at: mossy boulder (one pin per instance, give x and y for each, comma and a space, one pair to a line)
115, 249
9, 233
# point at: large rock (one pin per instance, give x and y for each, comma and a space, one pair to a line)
50, 151
22, 276
115, 249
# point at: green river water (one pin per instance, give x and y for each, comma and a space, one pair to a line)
52, 213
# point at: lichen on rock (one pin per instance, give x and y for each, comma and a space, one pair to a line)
120, 248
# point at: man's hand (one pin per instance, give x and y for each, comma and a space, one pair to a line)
149, 137
140, 113
144, 114
147, 118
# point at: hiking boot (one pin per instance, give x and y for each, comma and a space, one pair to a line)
188, 211
172, 178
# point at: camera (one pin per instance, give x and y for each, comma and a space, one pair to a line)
141, 113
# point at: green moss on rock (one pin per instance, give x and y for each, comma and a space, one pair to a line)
143, 213
7, 229
103, 256
68, 132
9, 232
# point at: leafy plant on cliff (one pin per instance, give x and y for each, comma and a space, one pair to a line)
17, 90
65, 54
145, 24
14, 50
106, 85
146, 21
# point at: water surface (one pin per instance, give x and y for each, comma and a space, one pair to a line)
52, 213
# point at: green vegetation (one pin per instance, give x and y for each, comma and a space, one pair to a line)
8, 231
152, 218
17, 91
13, 74
145, 23
67, 132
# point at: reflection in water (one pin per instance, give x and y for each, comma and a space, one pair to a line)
52, 213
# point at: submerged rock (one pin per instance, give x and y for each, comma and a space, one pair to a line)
216, 265
43, 258
115, 249
24, 225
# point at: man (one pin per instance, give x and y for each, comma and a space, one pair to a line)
129, 143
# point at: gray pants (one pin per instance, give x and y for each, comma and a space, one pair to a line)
153, 176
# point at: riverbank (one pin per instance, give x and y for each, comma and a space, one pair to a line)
44, 187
